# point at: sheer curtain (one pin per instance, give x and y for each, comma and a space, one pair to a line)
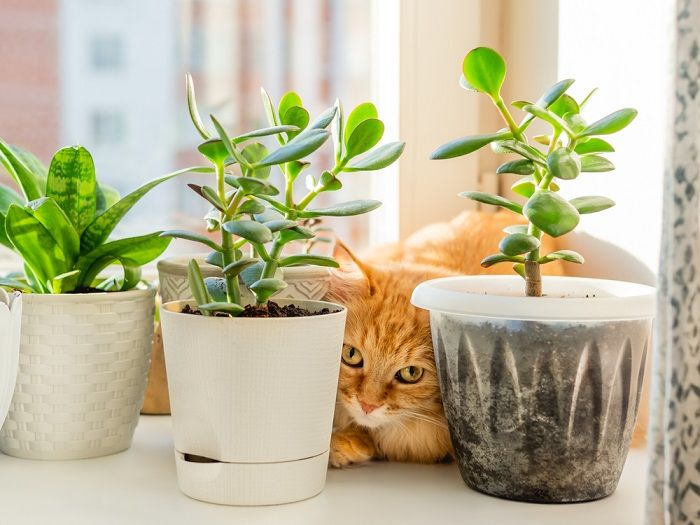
673, 492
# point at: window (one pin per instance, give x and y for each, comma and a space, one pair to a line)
106, 53
107, 128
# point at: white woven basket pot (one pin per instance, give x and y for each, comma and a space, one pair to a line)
256, 397
303, 282
83, 367
10, 323
540, 393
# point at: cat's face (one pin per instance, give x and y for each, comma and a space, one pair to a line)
387, 375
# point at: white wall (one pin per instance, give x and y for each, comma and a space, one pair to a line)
623, 48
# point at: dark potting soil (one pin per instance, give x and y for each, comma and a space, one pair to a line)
271, 309
86, 289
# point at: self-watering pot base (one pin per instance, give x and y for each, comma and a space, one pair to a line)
248, 484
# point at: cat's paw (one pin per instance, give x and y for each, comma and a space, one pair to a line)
348, 448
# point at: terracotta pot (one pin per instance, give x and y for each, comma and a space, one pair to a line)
252, 402
83, 363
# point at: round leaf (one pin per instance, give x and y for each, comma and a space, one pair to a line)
263, 289
363, 112
518, 244
591, 204
564, 104
295, 116
216, 287
485, 69
249, 230
551, 213
254, 153
564, 164
288, 101
364, 137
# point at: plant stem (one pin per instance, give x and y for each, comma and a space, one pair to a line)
533, 279
288, 189
233, 293
509, 119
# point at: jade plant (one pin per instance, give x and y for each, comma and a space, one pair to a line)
572, 147
257, 221
61, 223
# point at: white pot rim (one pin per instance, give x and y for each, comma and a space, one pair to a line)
564, 299
82, 297
173, 308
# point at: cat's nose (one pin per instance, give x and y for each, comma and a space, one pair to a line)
368, 407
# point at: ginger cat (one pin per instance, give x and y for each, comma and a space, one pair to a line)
389, 403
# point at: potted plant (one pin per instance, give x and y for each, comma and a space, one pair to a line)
540, 389
10, 319
85, 339
253, 382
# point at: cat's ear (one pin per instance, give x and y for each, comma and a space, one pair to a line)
349, 261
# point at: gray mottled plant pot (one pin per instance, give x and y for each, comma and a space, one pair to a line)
303, 282
540, 410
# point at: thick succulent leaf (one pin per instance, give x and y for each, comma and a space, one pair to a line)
298, 148
518, 244
485, 70
324, 119
298, 233
547, 99
516, 228
18, 170
254, 153
264, 132
216, 287
596, 164
270, 112
100, 229
500, 258
612, 123
358, 115
343, 209
518, 167
249, 230
137, 250
564, 164
289, 100
215, 259
379, 158
197, 286
466, 145
315, 260
251, 186
295, 116
593, 145
229, 308
519, 268
564, 255
238, 266
338, 125
280, 224
553, 120
266, 288
592, 204
525, 187
551, 213
192, 107
72, 184
565, 104
251, 206
493, 200
228, 144
524, 150
191, 236
364, 137
37, 246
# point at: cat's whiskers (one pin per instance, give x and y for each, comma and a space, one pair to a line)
417, 416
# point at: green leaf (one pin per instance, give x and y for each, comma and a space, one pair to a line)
324, 119
464, 84
612, 123
35, 244
357, 116
316, 260
524, 150
264, 132
216, 288
294, 168
364, 137
519, 167
565, 104
229, 308
551, 213
493, 200
197, 286
251, 186
214, 150
518, 244
466, 145
227, 142
280, 224
215, 259
343, 209
6, 282
575, 122
297, 148
56, 222
593, 145
288, 101
18, 170
338, 139
249, 230
295, 116
7, 197
238, 266
542, 139
263, 289
596, 163
499, 258
298, 233
547, 99
191, 236
516, 228
519, 268
555, 121
254, 153
251, 207
564, 255
269, 109
524, 187
379, 158
564, 164
485, 69
588, 97
591, 204
100, 229
192, 107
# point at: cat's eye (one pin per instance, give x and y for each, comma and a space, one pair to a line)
352, 356
409, 374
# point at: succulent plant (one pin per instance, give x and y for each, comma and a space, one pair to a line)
573, 147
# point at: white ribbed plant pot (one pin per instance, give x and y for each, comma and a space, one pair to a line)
256, 396
303, 282
540, 393
83, 367
10, 323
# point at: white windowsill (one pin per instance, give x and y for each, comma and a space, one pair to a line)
139, 487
